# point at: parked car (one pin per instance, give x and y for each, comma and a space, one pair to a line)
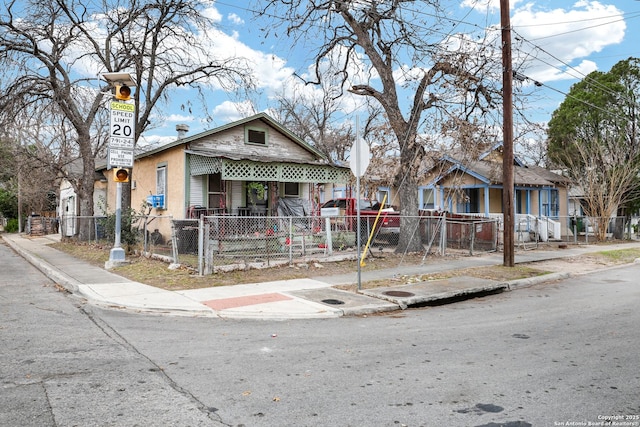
388, 223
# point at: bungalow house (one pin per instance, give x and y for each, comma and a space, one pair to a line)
69, 205
251, 167
475, 187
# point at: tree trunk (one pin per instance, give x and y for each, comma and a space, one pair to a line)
601, 228
409, 240
85, 190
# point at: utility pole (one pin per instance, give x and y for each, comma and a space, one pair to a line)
507, 136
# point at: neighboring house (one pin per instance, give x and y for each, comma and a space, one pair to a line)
250, 167
69, 205
475, 187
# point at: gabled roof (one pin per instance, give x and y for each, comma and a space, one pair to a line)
261, 116
499, 146
490, 172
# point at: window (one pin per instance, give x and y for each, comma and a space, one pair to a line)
291, 189
255, 136
382, 191
161, 184
471, 202
549, 202
428, 198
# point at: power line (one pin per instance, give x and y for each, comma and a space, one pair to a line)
621, 15
583, 76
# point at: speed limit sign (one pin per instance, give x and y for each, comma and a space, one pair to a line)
123, 125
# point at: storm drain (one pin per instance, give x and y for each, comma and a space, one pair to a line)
399, 294
332, 301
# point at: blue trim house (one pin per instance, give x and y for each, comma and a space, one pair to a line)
475, 187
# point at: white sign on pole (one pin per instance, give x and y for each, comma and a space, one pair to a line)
122, 134
120, 157
359, 157
125, 143
123, 120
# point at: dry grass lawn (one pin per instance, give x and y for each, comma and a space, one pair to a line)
156, 273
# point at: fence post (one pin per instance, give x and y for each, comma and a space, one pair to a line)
174, 243
328, 240
145, 239
473, 237
208, 251
290, 240
443, 235
200, 244
586, 230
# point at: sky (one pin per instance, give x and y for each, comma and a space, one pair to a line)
556, 43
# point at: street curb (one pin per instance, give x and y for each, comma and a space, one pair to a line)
367, 310
131, 307
530, 281
71, 285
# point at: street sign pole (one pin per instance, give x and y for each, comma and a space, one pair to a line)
117, 255
121, 144
358, 173
358, 163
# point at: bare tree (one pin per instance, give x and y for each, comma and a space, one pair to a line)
53, 53
32, 170
400, 47
607, 177
315, 116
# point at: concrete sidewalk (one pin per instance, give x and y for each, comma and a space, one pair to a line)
285, 299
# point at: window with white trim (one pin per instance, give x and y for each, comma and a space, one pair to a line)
382, 191
428, 198
256, 135
161, 183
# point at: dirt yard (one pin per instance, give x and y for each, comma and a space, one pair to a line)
157, 273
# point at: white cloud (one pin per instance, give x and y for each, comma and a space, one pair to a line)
178, 118
147, 142
235, 19
212, 13
563, 72
567, 36
229, 111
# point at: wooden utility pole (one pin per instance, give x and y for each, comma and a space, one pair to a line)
507, 136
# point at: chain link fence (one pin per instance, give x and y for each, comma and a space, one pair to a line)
89, 229
232, 242
573, 229
463, 232
224, 243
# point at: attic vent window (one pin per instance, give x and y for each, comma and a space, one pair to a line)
256, 136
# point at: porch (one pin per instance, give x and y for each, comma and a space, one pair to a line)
254, 188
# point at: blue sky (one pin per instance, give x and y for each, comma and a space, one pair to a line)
556, 43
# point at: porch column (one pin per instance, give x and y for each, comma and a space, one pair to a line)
486, 200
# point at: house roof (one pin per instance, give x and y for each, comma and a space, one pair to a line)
227, 155
490, 172
261, 116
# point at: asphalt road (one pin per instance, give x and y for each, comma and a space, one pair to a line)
549, 355
62, 366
